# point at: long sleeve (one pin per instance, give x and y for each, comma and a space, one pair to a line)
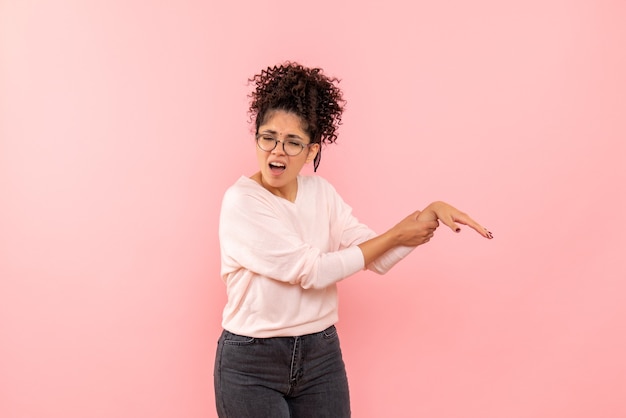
354, 232
281, 260
260, 233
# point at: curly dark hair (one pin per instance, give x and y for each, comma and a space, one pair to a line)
306, 92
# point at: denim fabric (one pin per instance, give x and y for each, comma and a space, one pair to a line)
281, 377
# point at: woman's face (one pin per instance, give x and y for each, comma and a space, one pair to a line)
279, 171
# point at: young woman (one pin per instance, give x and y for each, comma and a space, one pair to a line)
286, 240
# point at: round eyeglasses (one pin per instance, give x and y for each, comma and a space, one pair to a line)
291, 147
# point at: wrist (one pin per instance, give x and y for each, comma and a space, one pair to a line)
428, 214
435, 206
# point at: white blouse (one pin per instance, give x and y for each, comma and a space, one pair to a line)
281, 260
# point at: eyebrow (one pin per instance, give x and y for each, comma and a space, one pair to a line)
290, 136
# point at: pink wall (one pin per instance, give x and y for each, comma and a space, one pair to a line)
122, 122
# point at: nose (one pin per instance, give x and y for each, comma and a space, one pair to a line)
279, 148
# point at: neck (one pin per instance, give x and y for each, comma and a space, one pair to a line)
287, 192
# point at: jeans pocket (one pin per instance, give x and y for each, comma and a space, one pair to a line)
330, 332
234, 339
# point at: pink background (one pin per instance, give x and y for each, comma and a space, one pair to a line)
122, 123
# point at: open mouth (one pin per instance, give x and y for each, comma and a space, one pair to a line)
276, 167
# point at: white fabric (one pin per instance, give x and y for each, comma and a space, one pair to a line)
281, 260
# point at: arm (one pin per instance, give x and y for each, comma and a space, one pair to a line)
262, 237
418, 228
410, 232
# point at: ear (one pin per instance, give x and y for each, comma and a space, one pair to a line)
313, 150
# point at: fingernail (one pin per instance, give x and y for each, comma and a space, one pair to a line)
457, 230
489, 235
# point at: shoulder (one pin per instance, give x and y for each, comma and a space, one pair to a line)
320, 191
243, 191
317, 184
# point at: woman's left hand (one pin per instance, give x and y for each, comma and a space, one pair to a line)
450, 216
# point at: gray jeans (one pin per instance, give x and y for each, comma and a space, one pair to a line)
281, 377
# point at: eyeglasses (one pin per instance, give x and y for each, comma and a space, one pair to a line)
291, 147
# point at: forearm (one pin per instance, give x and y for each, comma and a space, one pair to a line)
410, 232
375, 247
385, 262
